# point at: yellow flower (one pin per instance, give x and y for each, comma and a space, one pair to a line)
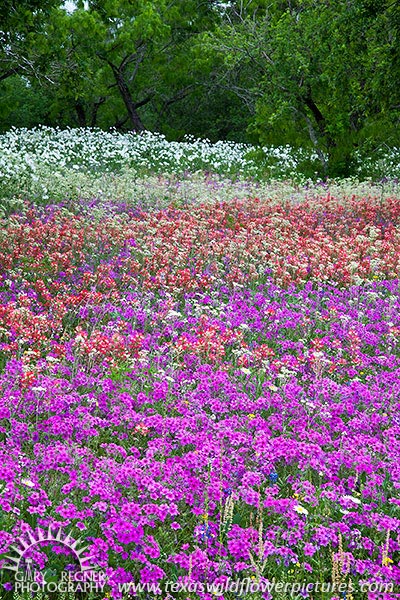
251, 416
386, 561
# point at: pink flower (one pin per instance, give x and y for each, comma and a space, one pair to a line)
309, 549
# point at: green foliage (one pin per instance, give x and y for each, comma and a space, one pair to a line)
316, 74
21, 104
22, 31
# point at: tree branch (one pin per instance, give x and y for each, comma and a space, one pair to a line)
9, 73
144, 101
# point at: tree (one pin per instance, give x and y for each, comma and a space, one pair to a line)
126, 58
79, 86
312, 70
22, 31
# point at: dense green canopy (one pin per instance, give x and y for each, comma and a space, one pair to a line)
314, 73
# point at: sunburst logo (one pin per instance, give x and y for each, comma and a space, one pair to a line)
20, 562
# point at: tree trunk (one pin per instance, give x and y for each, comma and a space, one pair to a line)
320, 121
80, 112
126, 96
95, 110
338, 163
316, 144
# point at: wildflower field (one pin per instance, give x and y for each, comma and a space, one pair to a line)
200, 376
